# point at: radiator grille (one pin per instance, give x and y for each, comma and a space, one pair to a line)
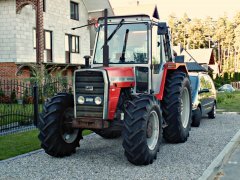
93, 80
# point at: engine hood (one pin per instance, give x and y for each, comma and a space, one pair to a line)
123, 75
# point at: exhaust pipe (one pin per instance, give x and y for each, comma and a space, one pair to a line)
105, 46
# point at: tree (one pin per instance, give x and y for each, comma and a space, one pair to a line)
223, 35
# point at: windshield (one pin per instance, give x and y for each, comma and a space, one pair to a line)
128, 44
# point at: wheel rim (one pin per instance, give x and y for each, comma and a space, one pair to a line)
214, 110
185, 107
153, 130
69, 135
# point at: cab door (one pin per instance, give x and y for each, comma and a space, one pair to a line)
159, 58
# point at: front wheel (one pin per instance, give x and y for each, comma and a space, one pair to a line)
142, 131
57, 137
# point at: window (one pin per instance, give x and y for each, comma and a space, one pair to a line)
156, 50
72, 43
71, 46
47, 39
47, 43
74, 10
75, 44
132, 36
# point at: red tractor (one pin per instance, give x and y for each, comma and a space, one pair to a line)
133, 88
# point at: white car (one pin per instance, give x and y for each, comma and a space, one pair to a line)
226, 88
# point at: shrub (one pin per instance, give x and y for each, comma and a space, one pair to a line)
230, 95
1, 93
25, 96
13, 96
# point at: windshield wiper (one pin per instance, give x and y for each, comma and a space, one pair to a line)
122, 58
115, 30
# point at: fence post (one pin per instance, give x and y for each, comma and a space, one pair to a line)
35, 101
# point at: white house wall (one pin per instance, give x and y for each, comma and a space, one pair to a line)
57, 19
17, 37
7, 31
25, 23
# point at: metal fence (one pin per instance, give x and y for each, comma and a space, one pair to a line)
236, 85
17, 101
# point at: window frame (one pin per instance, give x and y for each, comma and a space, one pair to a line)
77, 43
35, 38
75, 14
44, 5
147, 36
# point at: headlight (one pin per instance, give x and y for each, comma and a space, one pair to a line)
98, 100
81, 100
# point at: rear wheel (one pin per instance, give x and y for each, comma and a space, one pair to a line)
142, 131
177, 107
212, 113
56, 135
197, 118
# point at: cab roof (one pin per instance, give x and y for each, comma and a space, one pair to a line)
132, 18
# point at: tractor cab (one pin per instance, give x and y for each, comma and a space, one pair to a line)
137, 42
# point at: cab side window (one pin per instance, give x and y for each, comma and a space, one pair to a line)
156, 50
165, 48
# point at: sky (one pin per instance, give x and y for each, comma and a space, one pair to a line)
193, 8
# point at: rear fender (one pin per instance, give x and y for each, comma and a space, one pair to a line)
169, 68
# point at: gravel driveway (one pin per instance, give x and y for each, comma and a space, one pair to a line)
104, 159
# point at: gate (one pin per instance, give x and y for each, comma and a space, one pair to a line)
16, 105
21, 102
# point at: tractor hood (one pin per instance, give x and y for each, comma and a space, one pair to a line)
121, 76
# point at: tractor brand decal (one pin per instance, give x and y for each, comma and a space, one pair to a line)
89, 88
88, 99
121, 79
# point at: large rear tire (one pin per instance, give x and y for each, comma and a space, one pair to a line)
57, 137
177, 107
142, 132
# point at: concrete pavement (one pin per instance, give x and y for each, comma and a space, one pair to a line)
231, 169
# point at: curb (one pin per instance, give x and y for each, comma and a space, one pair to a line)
226, 113
22, 156
224, 155
35, 152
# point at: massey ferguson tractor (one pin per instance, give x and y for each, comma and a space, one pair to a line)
133, 88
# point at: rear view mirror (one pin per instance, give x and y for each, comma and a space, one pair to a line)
162, 28
205, 90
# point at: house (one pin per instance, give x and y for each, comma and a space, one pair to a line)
204, 57
63, 46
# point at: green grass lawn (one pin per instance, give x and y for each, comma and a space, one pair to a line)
229, 102
20, 143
